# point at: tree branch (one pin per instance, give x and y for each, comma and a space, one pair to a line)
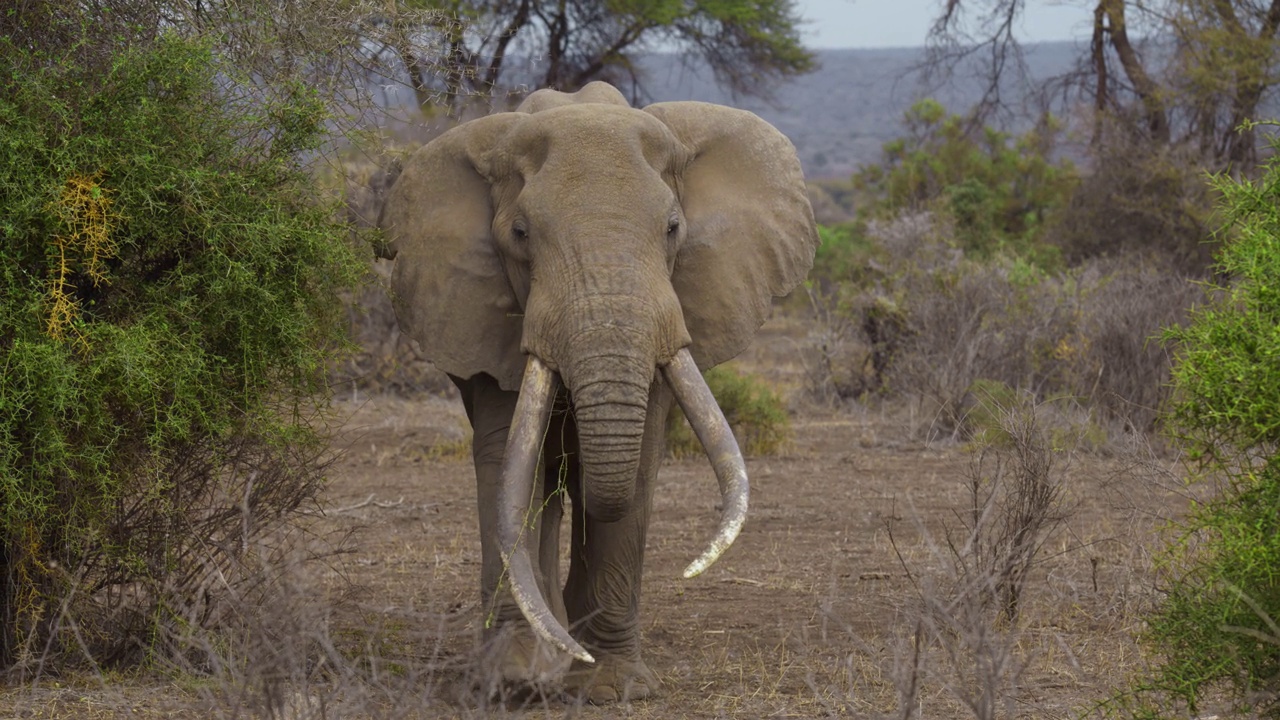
558, 32
1251, 82
1146, 88
518, 21
628, 37
949, 47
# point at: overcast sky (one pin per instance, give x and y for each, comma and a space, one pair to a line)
904, 23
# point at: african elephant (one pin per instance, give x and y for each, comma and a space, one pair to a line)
614, 251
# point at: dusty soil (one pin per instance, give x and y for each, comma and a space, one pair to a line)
814, 612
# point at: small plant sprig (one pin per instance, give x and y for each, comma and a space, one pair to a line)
84, 208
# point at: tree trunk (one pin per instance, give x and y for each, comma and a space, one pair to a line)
1147, 89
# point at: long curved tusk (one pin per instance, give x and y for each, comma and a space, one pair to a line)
515, 520
717, 439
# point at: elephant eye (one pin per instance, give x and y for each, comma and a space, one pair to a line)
519, 231
673, 226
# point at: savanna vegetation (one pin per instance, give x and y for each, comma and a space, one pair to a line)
181, 297
175, 287
1116, 289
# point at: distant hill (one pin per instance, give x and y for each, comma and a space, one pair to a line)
840, 116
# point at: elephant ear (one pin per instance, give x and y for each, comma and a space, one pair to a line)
449, 286
750, 232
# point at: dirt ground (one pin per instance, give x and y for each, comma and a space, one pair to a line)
814, 612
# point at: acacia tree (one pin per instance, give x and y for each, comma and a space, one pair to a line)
1168, 87
749, 46
1174, 72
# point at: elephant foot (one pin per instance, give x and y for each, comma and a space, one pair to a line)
611, 679
515, 656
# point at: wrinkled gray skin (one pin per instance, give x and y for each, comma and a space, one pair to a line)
601, 239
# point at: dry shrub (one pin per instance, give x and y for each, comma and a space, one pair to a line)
974, 323
934, 324
272, 654
1144, 199
264, 625
937, 322
965, 631
178, 563
837, 356
1016, 503
1119, 365
279, 651
386, 360
955, 647
858, 330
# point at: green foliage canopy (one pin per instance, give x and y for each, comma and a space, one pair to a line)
749, 45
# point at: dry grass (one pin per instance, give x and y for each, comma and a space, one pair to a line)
813, 613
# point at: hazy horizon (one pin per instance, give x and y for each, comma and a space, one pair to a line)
904, 24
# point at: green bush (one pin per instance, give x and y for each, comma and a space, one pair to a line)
753, 410
842, 256
169, 301
1000, 191
1219, 625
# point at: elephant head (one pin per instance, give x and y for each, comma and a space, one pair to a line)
582, 238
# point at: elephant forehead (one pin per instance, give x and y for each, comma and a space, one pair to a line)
596, 133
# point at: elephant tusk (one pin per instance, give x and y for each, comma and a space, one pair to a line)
524, 442
708, 423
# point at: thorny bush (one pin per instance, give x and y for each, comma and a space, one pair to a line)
1218, 626
169, 289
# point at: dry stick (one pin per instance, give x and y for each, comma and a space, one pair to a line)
367, 502
917, 664
893, 542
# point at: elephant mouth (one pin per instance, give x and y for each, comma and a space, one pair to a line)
524, 440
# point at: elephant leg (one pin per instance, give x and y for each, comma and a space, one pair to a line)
561, 468
603, 590
516, 653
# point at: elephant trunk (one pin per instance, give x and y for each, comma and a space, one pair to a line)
610, 398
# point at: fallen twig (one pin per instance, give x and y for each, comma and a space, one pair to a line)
369, 501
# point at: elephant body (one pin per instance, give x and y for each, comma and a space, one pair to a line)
583, 244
